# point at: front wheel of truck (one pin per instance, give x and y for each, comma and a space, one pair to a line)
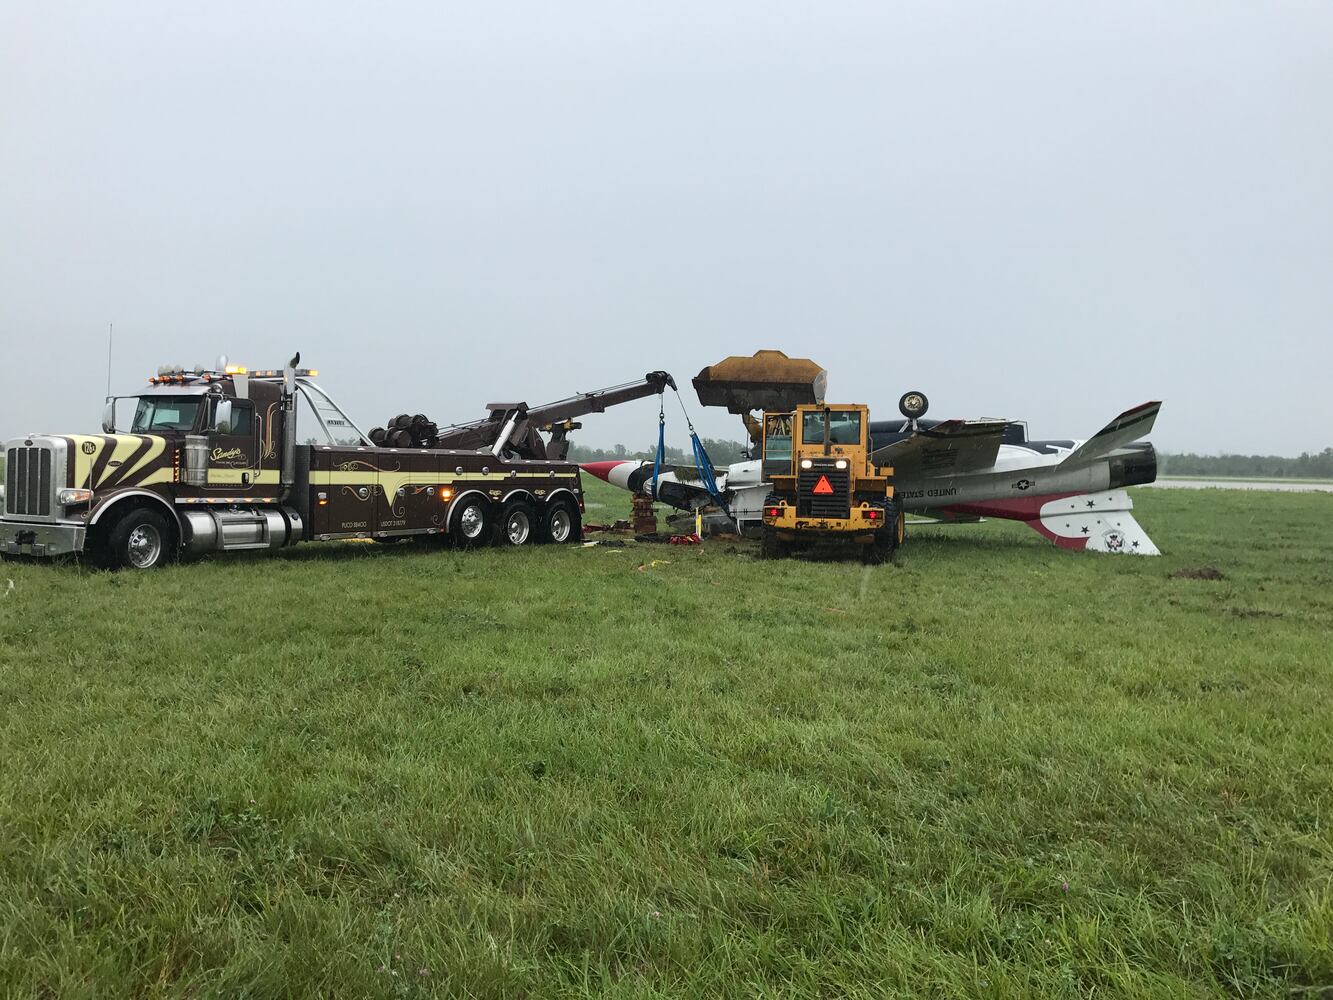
140, 539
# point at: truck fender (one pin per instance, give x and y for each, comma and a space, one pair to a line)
561, 489
520, 492
116, 500
466, 493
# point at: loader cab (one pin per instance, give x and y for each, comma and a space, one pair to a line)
777, 442
835, 430
825, 431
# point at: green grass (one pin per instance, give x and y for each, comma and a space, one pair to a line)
993, 769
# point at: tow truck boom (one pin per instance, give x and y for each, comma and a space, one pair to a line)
512, 428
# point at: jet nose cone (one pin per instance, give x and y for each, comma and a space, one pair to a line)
620, 474
602, 470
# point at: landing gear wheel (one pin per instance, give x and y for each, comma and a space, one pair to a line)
560, 523
470, 523
913, 405
771, 546
141, 539
517, 524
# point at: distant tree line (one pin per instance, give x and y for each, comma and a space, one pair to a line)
719, 453
1303, 466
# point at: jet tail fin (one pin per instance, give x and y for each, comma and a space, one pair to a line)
1129, 426
1094, 522
1087, 522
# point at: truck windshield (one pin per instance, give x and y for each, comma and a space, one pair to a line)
844, 427
165, 413
777, 437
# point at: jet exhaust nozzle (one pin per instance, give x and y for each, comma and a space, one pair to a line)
1137, 467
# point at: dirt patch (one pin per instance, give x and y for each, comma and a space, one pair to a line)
1199, 573
1253, 613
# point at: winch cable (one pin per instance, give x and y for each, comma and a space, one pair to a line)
701, 462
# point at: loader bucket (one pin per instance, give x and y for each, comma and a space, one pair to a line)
768, 381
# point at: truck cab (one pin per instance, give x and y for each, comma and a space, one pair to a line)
825, 487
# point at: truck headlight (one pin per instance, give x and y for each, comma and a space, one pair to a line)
70, 497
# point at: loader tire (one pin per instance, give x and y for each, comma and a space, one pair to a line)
771, 546
885, 543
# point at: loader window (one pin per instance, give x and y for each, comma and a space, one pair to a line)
844, 427
165, 413
777, 437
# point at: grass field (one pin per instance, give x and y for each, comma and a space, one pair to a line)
993, 769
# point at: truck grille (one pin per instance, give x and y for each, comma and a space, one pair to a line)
812, 504
28, 481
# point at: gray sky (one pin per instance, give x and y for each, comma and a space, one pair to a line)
1042, 211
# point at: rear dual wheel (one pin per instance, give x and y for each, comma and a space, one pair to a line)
517, 524
470, 524
522, 522
560, 522
476, 522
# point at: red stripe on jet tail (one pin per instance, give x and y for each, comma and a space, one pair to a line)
1025, 509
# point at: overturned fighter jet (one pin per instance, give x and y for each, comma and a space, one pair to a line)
952, 471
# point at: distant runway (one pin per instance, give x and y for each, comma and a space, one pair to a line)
1270, 485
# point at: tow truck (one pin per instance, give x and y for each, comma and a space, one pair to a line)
210, 463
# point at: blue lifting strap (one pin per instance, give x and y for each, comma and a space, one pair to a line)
706, 476
702, 463
661, 444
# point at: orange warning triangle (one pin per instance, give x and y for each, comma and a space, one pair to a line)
823, 487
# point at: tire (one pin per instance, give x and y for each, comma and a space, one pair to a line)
886, 540
517, 524
142, 539
399, 439
560, 523
771, 546
913, 405
377, 436
470, 523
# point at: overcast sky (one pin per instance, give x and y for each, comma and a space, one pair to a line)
1043, 211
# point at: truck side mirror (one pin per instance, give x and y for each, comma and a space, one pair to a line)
109, 417
222, 417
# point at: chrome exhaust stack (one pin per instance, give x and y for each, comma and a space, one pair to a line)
288, 474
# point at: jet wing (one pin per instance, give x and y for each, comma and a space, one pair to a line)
948, 448
1129, 426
